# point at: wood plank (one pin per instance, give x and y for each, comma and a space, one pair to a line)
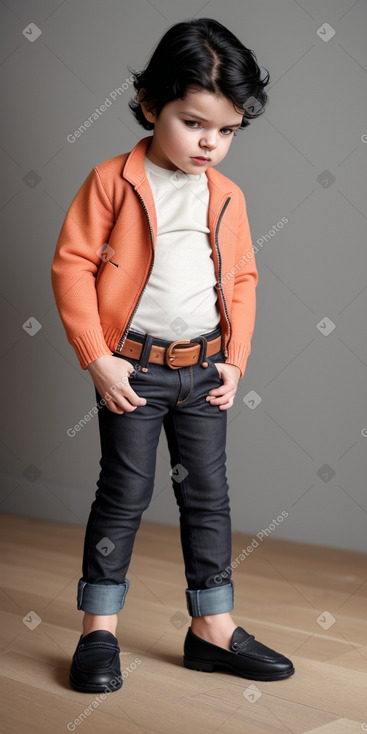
280, 591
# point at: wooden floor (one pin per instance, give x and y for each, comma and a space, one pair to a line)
281, 589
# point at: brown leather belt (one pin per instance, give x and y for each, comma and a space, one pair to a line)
180, 353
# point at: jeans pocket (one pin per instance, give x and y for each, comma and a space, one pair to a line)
219, 357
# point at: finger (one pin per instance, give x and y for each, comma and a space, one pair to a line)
214, 392
222, 399
129, 400
134, 398
113, 408
217, 392
119, 403
225, 407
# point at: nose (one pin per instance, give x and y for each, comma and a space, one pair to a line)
209, 141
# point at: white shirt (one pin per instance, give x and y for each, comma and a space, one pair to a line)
180, 299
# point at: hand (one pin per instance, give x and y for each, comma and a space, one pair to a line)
224, 395
111, 378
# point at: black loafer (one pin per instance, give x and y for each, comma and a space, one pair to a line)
246, 657
96, 663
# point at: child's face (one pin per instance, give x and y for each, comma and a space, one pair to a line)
180, 137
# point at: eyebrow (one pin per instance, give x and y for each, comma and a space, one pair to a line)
203, 119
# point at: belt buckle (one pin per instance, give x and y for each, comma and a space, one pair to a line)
168, 354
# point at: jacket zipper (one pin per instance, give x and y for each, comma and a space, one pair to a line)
124, 335
219, 275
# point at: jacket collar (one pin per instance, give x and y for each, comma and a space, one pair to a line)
134, 172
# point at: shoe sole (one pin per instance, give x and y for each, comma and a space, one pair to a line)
93, 687
209, 667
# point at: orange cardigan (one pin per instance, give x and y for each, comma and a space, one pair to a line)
97, 295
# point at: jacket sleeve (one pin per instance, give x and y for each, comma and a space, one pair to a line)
243, 309
87, 226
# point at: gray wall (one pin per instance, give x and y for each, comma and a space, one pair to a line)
302, 449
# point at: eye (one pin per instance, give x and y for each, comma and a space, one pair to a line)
229, 131
191, 122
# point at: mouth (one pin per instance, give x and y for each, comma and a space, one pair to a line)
201, 158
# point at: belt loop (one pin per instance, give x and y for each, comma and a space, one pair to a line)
203, 348
145, 352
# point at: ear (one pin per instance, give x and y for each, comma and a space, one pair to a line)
147, 107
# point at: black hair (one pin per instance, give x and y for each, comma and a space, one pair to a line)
201, 53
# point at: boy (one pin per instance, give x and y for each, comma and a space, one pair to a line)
179, 261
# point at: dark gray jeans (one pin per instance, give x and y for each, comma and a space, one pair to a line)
196, 437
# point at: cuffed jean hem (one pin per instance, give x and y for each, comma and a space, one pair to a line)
101, 598
210, 601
